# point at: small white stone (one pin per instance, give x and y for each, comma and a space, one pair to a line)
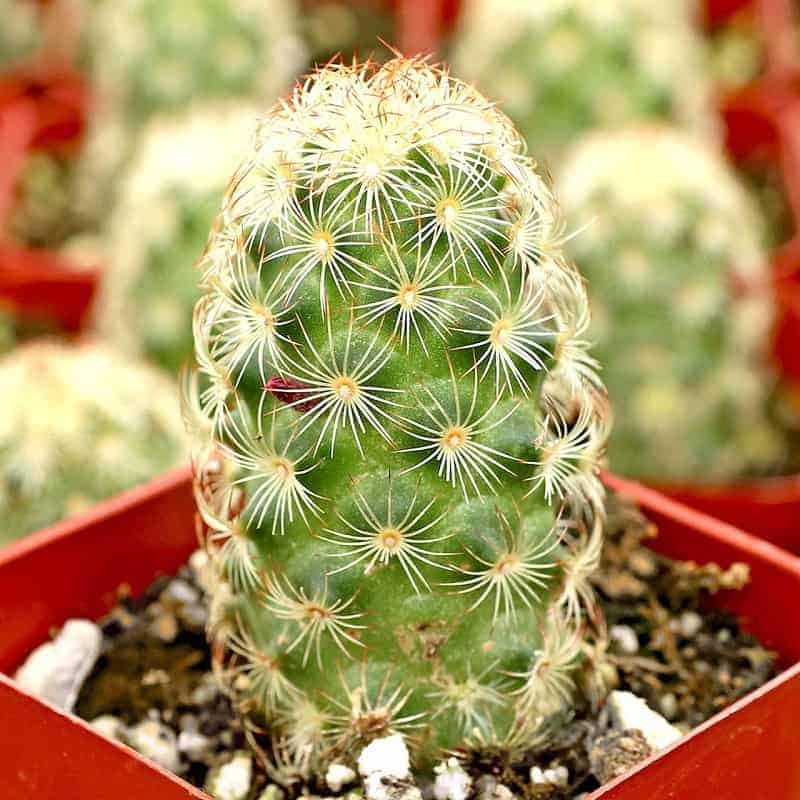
630, 712
690, 622
387, 756
232, 780
193, 744
552, 776
384, 766
452, 781
625, 638
180, 592
339, 775
109, 726
157, 742
55, 671
669, 705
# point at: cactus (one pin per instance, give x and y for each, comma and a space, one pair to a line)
79, 424
397, 424
565, 66
167, 201
669, 234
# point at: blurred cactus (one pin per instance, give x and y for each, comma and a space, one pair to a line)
397, 422
148, 57
167, 200
561, 67
19, 33
79, 424
669, 236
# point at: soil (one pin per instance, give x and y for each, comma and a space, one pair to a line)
664, 645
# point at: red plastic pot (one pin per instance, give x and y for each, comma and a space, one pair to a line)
60, 96
38, 286
76, 567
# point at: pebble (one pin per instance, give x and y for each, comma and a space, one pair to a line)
194, 745
668, 705
155, 741
109, 726
205, 692
616, 752
488, 788
384, 766
629, 712
272, 792
55, 671
452, 782
165, 625
339, 775
232, 780
625, 638
690, 624
554, 776
181, 593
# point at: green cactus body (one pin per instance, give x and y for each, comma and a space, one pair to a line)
392, 371
669, 234
114, 426
562, 67
167, 201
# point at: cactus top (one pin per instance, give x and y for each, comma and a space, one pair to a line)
671, 248
392, 364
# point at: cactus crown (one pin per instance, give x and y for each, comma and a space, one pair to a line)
565, 66
672, 252
392, 369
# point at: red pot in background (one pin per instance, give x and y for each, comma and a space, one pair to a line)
40, 287
60, 97
76, 567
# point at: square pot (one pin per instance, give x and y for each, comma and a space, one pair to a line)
75, 568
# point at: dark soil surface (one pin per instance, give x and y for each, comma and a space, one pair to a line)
665, 646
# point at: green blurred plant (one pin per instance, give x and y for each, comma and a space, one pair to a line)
561, 67
80, 423
665, 236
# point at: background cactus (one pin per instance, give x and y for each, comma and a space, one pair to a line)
562, 67
397, 423
169, 57
78, 424
669, 237
168, 199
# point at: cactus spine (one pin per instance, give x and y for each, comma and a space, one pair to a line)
397, 422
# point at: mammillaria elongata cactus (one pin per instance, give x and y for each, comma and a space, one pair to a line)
562, 67
79, 424
398, 423
671, 249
